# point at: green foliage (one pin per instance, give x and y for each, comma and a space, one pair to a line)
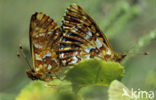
56, 90
86, 73
94, 72
34, 91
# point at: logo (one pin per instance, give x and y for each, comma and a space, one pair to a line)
138, 94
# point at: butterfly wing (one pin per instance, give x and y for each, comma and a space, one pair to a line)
82, 38
44, 37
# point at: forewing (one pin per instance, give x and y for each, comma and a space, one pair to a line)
82, 38
44, 42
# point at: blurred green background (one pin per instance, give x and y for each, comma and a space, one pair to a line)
122, 21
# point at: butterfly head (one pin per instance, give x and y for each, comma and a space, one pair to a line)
119, 57
39, 75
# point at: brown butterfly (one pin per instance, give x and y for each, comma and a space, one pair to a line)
44, 43
82, 39
53, 47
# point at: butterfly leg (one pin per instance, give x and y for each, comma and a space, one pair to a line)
58, 77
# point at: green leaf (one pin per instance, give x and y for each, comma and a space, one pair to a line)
35, 91
85, 73
116, 90
94, 72
54, 90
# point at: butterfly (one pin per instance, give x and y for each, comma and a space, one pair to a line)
44, 44
82, 39
54, 47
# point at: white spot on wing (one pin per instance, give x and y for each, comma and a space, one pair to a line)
62, 55
88, 49
49, 33
37, 69
75, 30
56, 33
89, 33
42, 34
109, 52
37, 36
37, 45
47, 55
74, 60
87, 37
87, 56
98, 43
38, 58
75, 53
49, 67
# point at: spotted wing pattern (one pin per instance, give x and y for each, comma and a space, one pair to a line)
82, 38
44, 43
52, 47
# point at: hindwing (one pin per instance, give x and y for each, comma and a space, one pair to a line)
82, 38
44, 43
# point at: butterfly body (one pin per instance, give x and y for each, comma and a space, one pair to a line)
53, 47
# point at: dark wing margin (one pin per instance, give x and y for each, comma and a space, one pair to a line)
82, 38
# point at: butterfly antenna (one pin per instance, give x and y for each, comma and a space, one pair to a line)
129, 49
133, 47
21, 55
146, 53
